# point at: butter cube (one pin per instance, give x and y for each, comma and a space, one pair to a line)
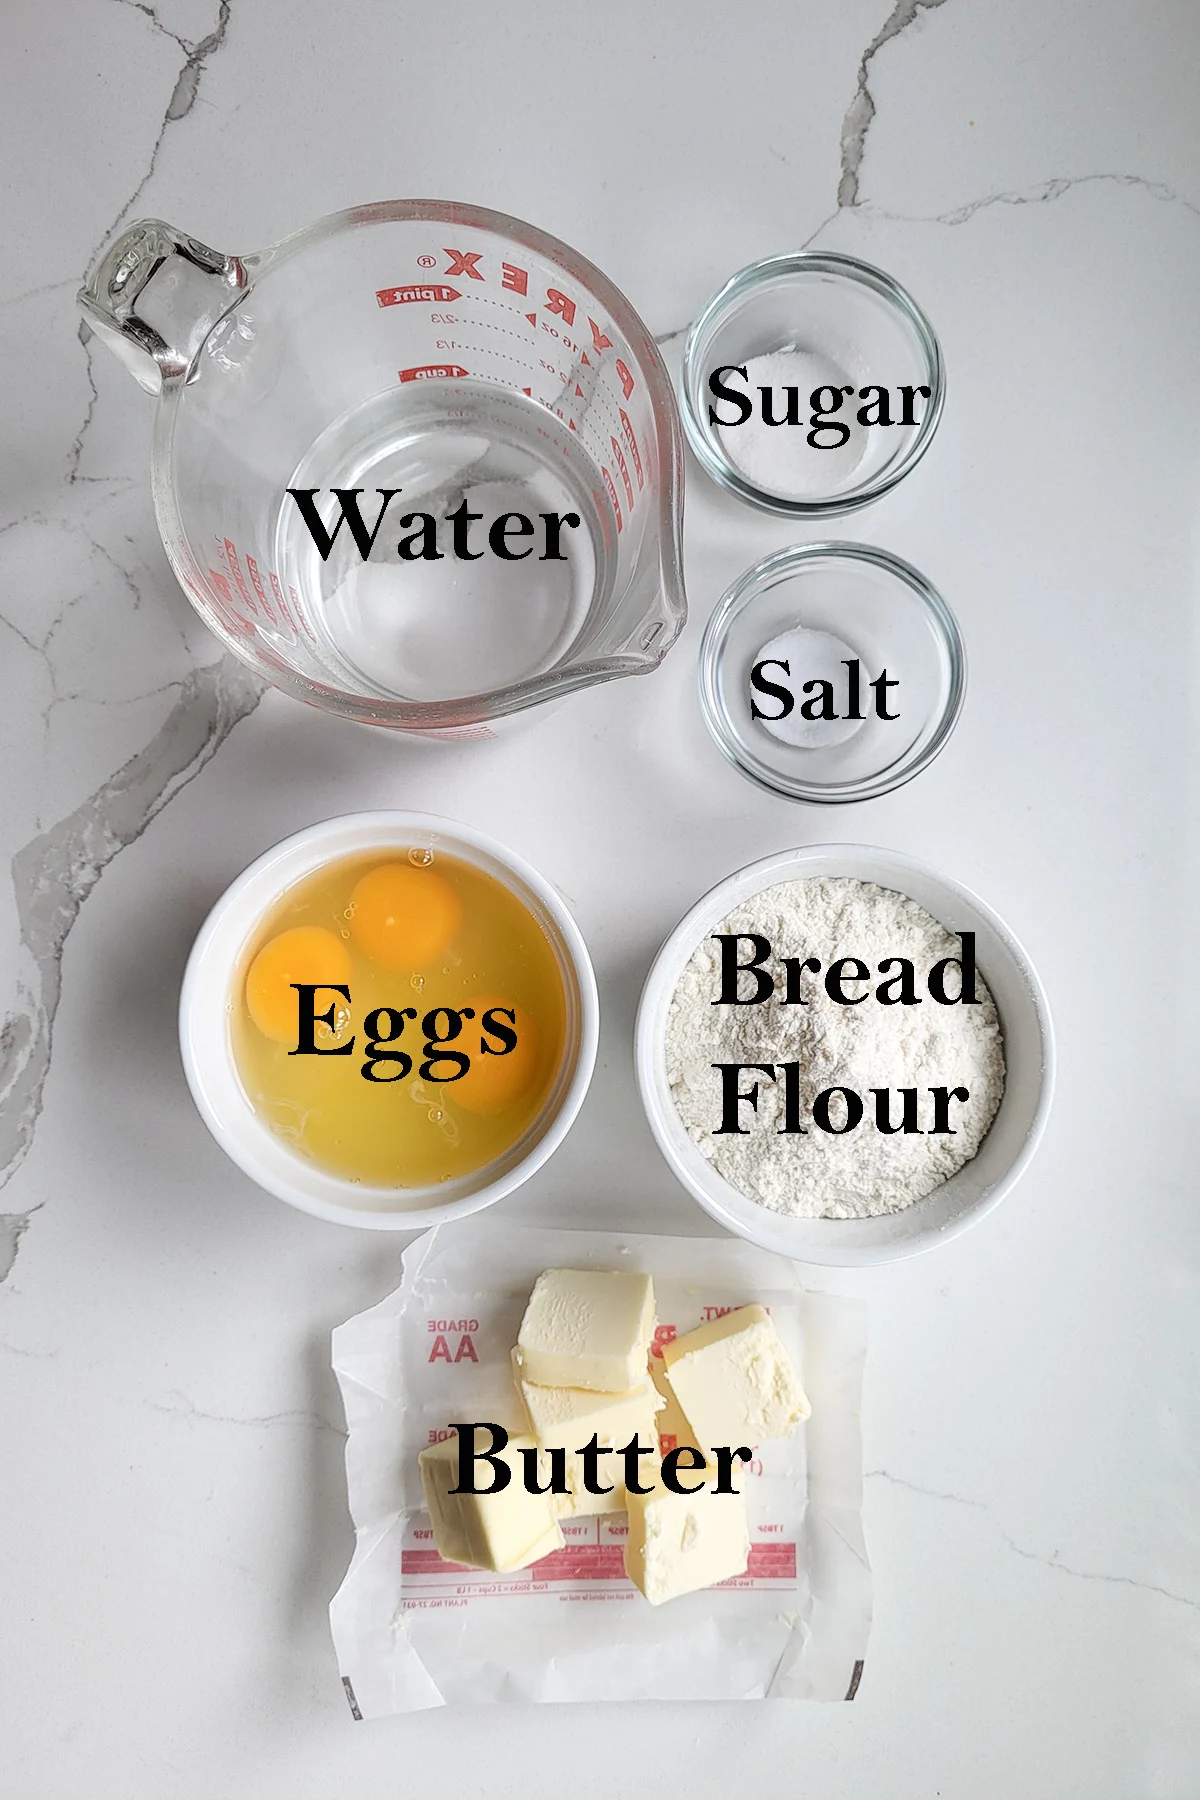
587, 1328
566, 1418
502, 1531
680, 1542
674, 1431
735, 1381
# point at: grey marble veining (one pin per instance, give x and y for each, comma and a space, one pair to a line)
173, 1505
53, 873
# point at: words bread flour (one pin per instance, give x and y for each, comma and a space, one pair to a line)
835, 1173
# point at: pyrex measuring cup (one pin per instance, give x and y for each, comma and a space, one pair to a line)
444, 352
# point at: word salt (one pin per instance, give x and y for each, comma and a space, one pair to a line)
809, 656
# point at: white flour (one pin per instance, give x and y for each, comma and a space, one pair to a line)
862, 1172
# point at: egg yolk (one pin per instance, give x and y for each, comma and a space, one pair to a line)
306, 953
494, 1081
403, 917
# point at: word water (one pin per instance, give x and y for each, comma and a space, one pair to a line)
423, 534
488, 584
826, 431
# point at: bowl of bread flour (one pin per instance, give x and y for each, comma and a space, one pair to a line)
844, 1056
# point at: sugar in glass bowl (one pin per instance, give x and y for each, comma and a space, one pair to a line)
861, 327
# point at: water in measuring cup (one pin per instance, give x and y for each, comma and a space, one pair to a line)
438, 630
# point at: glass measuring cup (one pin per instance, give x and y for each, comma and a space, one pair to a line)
447, 353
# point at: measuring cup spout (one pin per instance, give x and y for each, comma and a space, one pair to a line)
155, 295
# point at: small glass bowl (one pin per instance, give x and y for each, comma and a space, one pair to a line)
887, 614
851, 315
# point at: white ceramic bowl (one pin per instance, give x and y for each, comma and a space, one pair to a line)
1005, 1152
208, 1057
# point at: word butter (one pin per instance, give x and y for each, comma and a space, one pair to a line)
565, 1418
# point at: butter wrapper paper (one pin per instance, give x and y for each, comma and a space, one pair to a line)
412, 1631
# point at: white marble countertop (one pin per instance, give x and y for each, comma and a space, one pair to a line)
172, 1508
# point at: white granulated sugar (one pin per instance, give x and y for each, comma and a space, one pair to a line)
864, 1172
779, 458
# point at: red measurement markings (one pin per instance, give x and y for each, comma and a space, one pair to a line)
582, 1562
429, 1562
624, 468
256, 584
612, 494
513, 279
772, 1562
630, 439
415, 293
224, 607
603, 1562
574, 1562
432, 372
305, 627
235, 569
277, 590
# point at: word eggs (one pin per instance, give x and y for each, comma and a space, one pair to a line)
399, 1019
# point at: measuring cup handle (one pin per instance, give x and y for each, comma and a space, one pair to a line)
193, 287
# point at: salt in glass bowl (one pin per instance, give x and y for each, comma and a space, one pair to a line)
889, 616
851, 315
1015, 1132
